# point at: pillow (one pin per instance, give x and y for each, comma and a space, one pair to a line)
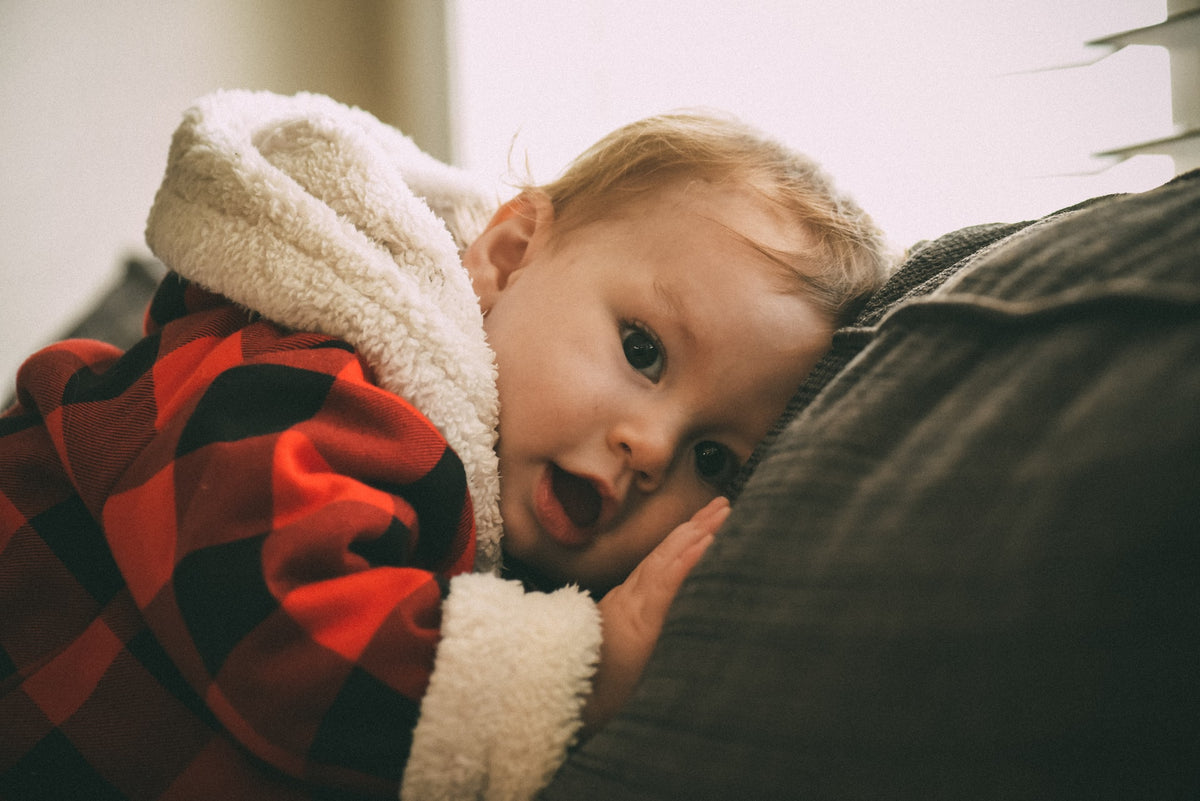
967, 565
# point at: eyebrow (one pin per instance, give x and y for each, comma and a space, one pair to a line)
675, 306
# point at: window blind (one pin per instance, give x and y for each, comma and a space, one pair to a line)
1179, 33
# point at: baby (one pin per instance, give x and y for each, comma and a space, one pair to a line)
260, 552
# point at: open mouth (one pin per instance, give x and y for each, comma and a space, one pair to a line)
578, 498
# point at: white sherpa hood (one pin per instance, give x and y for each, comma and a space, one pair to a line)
321, 218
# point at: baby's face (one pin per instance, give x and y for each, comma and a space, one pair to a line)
640, 361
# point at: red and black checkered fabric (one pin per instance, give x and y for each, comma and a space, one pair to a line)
222, 560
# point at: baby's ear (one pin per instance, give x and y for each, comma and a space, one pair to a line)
496, 258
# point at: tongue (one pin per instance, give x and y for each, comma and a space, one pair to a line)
578, 497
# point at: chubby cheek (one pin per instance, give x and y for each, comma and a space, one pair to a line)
548, 379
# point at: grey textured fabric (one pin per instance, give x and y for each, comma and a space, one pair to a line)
969, 565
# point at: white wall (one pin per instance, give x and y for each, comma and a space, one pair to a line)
921, 108
90, 91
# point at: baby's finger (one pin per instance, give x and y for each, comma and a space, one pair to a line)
713, 514
686, 560
703, 523
668, 564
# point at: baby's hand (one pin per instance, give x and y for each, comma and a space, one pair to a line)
633, 612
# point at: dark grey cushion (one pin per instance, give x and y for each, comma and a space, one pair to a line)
117, 316
969, 566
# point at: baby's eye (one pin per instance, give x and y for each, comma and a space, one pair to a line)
715, 463
642, 351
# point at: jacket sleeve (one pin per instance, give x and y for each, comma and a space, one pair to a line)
301, 543
513, 669
287, 530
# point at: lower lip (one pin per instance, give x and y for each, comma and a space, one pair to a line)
553, 517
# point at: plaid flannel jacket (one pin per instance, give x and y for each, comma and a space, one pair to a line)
222, 559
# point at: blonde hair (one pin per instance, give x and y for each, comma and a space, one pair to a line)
850, 258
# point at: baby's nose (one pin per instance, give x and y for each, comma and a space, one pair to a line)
648, 449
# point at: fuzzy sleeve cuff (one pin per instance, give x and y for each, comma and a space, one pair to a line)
512, 672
